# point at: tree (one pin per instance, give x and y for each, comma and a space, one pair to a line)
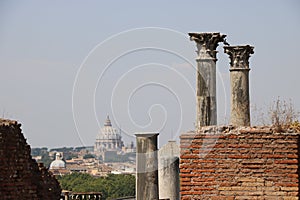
43, 152
112, 186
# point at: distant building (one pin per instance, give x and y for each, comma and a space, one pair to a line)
58, 163
109, 139
58, 166
129, 148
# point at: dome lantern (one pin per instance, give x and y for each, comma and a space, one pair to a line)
107, 122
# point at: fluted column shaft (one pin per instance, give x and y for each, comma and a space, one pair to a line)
239, 83
206, 76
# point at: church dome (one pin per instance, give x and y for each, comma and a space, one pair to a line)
109, 139
58, 163
108, 132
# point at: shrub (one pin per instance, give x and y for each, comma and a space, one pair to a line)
283, 116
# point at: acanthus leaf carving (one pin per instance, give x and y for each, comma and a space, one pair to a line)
239, 55
207, 43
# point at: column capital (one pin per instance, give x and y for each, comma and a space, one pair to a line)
207, 43
239, 56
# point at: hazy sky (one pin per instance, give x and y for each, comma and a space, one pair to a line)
65, 65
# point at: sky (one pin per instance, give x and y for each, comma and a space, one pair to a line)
66, 65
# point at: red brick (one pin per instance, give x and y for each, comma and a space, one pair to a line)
239, 156
287, 184
293, 175
256, 145
195, 146
222, 197
186, 192
270, 160
32, 181
219, 156
292, 156
185, 170
197, 188
239, 145
186, 198
201, 151
186, 188
294, 161
186, 175
274, 156
204, 170
185, 179
187, 166
185, 161
216, 136
265, 151
203, 179
197, 193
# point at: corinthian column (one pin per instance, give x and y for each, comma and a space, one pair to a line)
239, 81
206, 76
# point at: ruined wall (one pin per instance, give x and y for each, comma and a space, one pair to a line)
20, 175
245, 163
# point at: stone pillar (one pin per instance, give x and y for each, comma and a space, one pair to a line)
206, 76
239, 80
147, 166
169, 178
168, 171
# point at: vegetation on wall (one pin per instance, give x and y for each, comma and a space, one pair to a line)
112, 186
281, 115
284, 116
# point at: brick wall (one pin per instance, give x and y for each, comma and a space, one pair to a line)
20, 176
244, 163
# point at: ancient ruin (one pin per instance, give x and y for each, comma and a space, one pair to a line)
239, 163
216, 162
147, 166
206, 76
21, 177
239, 80
235, 161
168, 171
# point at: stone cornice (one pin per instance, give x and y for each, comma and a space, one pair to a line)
146, 134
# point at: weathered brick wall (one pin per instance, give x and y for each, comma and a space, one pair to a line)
20, 175
244, 163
